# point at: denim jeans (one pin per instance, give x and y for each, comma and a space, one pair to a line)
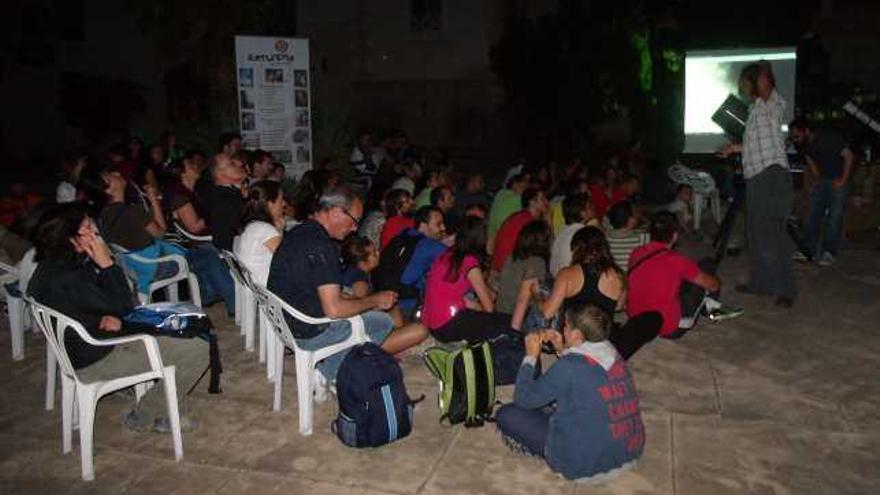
377, 325
525, 429
214, 279
826, 203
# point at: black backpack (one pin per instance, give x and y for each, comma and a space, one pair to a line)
393, 262
508, 351
374, 408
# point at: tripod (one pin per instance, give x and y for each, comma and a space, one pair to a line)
722, 238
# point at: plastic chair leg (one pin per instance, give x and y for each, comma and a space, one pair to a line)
173, 410
253, 321
51, 373
194, 289
86, 396
16, 308
698, 210
244, 317
266, 333
304, 367
68, 392
271, 343
238, 290
279, 376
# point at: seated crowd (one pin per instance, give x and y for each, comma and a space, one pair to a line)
562, 255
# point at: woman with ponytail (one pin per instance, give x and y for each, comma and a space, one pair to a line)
263, 220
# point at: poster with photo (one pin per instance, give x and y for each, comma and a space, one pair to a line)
301, 97
247, 100
274, 98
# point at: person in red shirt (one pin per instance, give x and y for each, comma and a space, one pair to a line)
16, 203
535, 205
599, 196
398, 206
664, 280
625, 190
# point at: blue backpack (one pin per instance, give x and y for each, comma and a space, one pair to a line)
374, 408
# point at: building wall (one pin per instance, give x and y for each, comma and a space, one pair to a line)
849, 30
434, 84
109, 44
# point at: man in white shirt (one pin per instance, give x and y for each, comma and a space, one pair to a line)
577, 211
769, 191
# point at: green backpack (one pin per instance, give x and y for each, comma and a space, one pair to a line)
467, 382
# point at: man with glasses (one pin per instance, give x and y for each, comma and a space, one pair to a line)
306, 273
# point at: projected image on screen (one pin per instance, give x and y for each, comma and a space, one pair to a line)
711, 76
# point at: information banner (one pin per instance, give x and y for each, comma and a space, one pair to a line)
274, 99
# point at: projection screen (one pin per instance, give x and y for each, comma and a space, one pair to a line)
712, 75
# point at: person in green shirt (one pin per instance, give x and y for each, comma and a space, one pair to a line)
433, 179
506, 203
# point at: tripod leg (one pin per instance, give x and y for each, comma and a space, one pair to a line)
726, 229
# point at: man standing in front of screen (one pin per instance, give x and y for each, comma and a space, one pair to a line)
769, 192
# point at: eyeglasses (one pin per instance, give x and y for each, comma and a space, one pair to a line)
356, 220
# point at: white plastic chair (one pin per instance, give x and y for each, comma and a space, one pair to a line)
247, 304
236, 242
15, 304
16, 307
705, 191
250, 318
306, 360
54, 324
145, 294
185, 233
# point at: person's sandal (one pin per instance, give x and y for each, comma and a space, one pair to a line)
134, 422
163, 425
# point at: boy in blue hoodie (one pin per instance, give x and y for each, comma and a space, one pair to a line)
583, 415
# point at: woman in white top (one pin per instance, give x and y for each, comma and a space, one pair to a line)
71, 168
263, 218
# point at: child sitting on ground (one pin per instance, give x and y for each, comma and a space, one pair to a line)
583, 415
682, 207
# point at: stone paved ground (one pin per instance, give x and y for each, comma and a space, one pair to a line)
774, 402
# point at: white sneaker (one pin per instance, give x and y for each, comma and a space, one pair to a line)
825, 259
799, 256
321, 386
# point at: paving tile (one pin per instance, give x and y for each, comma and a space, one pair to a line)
469, 468
160, 476
773, 402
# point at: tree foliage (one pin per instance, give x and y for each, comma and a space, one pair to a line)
568, 70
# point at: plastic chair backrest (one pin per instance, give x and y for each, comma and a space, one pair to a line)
701, 181
239, 271
26, 268
180, 229
9, 269
274, 308
54, 325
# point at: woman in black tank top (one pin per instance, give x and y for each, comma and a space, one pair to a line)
590, 293
592, 278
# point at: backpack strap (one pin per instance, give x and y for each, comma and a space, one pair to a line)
646, 258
